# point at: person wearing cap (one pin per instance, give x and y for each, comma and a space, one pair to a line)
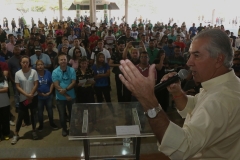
40, 56
51, 53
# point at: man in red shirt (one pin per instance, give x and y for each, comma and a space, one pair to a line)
93, 39
179, 43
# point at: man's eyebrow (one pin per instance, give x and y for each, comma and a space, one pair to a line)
194, 52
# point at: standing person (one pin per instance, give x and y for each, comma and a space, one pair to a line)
101, 74
26, 80
64, 79
192, 31
11, 43
84, 82
93, 40
14, 66
13, 23
4, 107
45, 96
99, 49
4, 52
211, 129
163, 95
115, 63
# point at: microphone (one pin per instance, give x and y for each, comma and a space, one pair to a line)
181, 75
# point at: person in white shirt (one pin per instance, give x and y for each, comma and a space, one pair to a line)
134, 33
211, 129
99, 49
109, 40
11, 43
77, 44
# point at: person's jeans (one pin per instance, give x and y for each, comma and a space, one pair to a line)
4, 121
48, 103
119, 87
61, 105
23, 112
16, 95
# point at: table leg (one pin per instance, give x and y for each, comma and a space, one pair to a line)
136, 147
86, 149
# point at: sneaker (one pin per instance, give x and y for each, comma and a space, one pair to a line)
11, 123
40, 128
6, 137
54, 126
34, 135
64, 132
14, 140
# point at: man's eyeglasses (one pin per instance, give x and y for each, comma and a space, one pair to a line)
143, 56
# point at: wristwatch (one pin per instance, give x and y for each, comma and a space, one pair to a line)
152, 113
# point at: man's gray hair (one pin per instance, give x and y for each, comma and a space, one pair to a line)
218, 43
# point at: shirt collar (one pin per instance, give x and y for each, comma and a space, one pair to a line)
218, 80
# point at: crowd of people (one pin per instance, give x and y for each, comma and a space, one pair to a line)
71, 62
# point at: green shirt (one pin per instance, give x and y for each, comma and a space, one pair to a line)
150, 25
152, 54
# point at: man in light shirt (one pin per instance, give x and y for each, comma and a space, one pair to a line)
77, 44
211, 129
11, 43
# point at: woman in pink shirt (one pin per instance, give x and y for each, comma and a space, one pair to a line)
74, 60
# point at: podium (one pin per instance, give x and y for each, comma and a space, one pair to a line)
91, 121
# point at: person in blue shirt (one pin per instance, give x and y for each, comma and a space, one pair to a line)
64, 79
40, 56
45, 89
192, 31
101, 74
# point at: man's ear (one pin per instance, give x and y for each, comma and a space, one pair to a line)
220, 60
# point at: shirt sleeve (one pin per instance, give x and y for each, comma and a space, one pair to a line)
16, 78
92, 55
48, 60
5, 84
4, 66
188, 108
73, 74
205, 127
35, 75
108, 54
54, 76
83, 51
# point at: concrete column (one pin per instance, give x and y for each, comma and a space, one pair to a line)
78, 11
126, 11
60, 9
92, 8
105, 9
213, 17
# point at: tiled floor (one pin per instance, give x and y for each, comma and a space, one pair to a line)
51, 143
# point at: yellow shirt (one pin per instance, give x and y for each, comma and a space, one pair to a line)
211, 130
26, 33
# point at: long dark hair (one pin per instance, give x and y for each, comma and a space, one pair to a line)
2, 77
74, 56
